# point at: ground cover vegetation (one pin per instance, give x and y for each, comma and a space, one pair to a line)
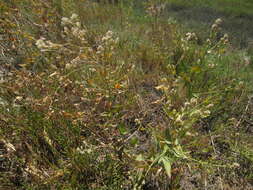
233, 7
199, 15
118, 96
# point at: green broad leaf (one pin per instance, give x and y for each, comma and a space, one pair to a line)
179, 152
140, 158
195, 69
168, 135
167, 165
134, 141
165, 148
176, 142
122, 129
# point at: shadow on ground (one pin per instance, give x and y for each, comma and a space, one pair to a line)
238, 27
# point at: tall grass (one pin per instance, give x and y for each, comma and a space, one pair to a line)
111, 97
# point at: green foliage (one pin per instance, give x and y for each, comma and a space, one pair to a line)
233, 7
104, 96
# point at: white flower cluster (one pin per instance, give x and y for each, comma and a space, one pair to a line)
185, 115
108, 36
224, 39
85, 148
155, 9
185, 41
73, 63
76, 46
72, 28
107, 44
216, 25
185, 45
191, 111
215, 50
191, 36
66, 21
46, 45
74, 50
210, 58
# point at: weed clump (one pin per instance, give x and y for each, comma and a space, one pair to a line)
130, 105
